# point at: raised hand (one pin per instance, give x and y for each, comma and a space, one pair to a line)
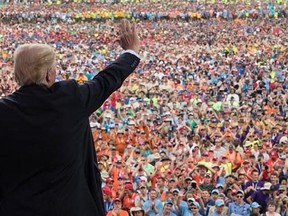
129, 38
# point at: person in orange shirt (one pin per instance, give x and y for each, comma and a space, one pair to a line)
120, 142
81, 78
233, 156
117, 170
129, 197
117, 209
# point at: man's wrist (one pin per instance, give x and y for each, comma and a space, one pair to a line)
132, 52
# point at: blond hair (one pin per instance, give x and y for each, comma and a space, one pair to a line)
32, 62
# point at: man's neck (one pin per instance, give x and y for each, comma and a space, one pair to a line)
239, 202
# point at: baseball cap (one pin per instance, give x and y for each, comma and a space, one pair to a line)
195, 204
128, 187
117, 199
136, 209
169, 201
240, 191
219, 202
175, 190
255, 205
219, 185
143, 178
191, 199
106, 190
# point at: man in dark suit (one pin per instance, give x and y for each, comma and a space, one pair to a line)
47, 159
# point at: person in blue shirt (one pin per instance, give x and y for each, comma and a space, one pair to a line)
167, 210
193, 207
219, 208
239, 207
180, 207
153, 205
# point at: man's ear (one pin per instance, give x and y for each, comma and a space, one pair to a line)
49, 78
48, 75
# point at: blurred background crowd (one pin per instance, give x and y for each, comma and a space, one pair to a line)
200, 128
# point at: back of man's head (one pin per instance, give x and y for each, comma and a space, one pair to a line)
32, 62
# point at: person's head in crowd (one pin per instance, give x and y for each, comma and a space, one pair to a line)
205, 195
107, 193
117, 204
207, 179
118, 163
271, 207
129, 148
202, 169
246, 163
282, 191
137, 153
215, 166
266, 189
111, 144
220, 188
229, 193
120, 133
129, 189
219, 206
230, 180
274, 179
153, 194
113, 151
160, 182
193, 186
171, 183
35, 64
188, 181
163, 154
242, 178
190, 162
189, 195
255, 209
177, 171
175, 192
252, 159
240, 196
274, 155
194, 207
261, 158
101, 166
222, 196
255, 175
143, 189
181, 178
283, 181
109, 182
167, 207
169, 195
137, 211
214, 194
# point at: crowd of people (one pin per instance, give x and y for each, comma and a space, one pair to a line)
200, 128
143, 10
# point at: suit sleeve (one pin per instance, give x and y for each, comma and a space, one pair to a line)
94, 92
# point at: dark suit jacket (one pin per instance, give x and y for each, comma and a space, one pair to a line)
47, 158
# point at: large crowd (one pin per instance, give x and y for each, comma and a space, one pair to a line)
200, 128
